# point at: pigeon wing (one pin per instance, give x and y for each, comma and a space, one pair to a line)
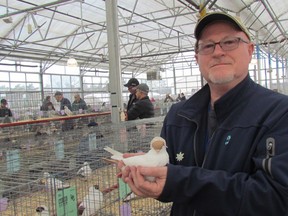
138, 160
115, 154
80, 171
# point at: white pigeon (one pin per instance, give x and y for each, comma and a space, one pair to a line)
157, 156
67, 111
53, 183
92, 201
85, 171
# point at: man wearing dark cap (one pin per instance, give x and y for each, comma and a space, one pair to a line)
227, 143
131, 85
143, 108
4, 110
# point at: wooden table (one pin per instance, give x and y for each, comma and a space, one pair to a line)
55, 118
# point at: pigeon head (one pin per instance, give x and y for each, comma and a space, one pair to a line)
158, 143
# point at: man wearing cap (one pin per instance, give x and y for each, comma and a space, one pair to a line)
131, 85
227, 143
4, 110
143, 108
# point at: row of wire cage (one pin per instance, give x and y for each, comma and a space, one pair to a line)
42, 168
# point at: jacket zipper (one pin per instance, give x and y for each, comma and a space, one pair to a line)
194, 145
207, 151
270, 152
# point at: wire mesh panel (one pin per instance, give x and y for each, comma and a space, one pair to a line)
48, 171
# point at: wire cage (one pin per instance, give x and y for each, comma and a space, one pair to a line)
49, 171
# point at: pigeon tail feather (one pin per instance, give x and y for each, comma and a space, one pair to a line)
115, 154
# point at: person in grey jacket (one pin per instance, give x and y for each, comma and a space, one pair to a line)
227, 143
143, 108
78, 103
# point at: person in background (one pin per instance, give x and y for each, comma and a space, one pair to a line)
78, 103
131, 85
178, 98
227, 143
182, 97
143, 108
63, 101
4, 110
47, 105
168, 99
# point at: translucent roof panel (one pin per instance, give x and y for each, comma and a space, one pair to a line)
151, 32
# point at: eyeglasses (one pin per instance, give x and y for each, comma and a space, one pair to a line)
226, 44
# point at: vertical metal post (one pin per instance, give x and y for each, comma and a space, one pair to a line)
41, 81
270, 67
115, 82
277, 72
174, 79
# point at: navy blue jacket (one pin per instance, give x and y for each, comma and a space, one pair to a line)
65, 102
245, 168
132, 100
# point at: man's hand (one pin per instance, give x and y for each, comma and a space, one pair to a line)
135, 178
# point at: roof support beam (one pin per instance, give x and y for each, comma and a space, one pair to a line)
34, 8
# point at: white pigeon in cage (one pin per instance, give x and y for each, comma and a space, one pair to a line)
157, 156
93, 201
85, 171
67, 111
53, 183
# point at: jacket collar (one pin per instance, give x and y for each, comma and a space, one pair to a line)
198, 103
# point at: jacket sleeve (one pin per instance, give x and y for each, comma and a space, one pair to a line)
135, 111
263, 191
10, 113
84, 106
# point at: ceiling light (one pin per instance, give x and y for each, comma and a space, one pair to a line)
72, 62
29, 29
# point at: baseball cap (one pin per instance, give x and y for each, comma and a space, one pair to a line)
216, 16
132, 82
143, 87
58, 93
